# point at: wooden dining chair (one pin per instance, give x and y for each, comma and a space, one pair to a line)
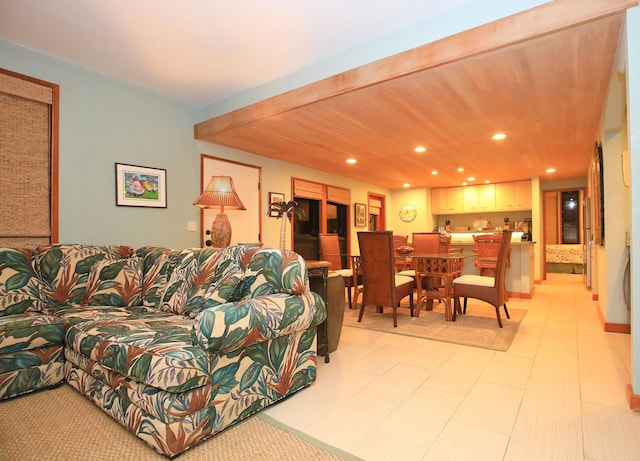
383, 287
486, 248
330, 251
485, 288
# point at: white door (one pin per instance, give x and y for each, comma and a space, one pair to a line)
246, 225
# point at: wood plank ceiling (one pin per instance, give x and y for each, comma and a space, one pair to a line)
547, 93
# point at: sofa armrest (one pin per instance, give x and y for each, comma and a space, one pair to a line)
232, 326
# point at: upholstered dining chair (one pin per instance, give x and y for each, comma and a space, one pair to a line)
383, 287
486, 248
485, 288
330, 251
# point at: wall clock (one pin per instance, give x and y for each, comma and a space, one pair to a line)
408, 213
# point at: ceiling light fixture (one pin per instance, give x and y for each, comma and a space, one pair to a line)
434, 172
352, 161
406, 185
471, 178
551, 170
420, 149
486, 181
460, 170
498, 136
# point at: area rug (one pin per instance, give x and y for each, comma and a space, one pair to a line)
478, 328
61, 424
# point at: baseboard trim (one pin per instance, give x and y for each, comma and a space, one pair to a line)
522, 295
633, 399
612, 327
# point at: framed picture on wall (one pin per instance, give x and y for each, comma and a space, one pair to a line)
275, 197
360, 214
141, 186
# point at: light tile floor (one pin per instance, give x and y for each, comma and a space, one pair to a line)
558, 393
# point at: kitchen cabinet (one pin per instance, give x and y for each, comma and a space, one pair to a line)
479, 198
448, 200
511, 196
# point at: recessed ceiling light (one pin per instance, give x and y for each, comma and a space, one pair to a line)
420, 149
352, 161
551, 170
460, 170
434, 172
464, 183
406, 185
498, 136
471, 178
486, 181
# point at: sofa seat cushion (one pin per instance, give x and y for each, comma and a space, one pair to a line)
76, 314
42, 368
166, 406
19, 285
155, 349
30, 330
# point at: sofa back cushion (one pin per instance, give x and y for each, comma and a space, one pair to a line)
270, 270
202, 278
157, 264
114, 282
64, 270
19, 287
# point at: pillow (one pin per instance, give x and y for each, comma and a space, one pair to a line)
114, 283
157, 267
203, 279
19, 286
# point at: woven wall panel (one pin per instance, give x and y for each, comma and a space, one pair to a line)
29, 90
24, 167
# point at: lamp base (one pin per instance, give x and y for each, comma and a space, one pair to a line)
221, 231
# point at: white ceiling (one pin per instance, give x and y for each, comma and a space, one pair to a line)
203, 51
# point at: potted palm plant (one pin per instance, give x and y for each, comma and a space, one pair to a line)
282, 208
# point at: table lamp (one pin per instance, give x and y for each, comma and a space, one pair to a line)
220, 193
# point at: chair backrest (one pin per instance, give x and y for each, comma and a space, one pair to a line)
330, 250
445, 244
378, 267
399, 240
487, 247
424, 243
501, 265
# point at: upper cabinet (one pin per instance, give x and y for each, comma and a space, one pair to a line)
513, 196
509, 196
479, 198
448, 200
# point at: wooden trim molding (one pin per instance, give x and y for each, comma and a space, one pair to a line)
633, 399
610, 326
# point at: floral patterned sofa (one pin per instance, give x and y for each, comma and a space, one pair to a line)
174, 345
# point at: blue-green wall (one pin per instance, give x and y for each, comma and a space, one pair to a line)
103, 121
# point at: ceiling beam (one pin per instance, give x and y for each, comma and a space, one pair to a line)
536, 22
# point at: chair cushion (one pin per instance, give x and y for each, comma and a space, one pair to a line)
402, 279
343, 272
408, 273
475, 280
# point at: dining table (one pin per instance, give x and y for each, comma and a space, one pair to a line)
440, 270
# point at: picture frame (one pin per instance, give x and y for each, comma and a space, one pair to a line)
360, 214
275, 197
141, 186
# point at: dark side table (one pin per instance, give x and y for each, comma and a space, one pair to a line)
318, 275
